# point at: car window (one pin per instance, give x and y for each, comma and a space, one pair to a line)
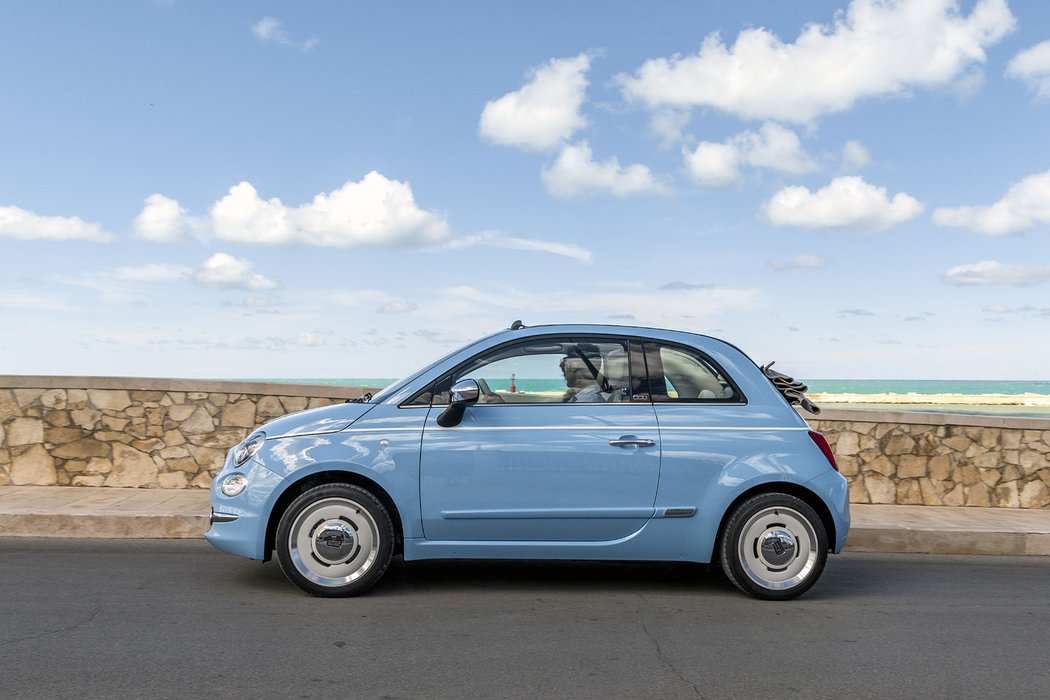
676, 374
558, 370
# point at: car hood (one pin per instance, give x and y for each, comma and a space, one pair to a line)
327, 419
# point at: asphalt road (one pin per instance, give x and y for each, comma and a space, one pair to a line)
176, 619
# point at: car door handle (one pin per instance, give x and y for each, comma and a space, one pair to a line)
629, 441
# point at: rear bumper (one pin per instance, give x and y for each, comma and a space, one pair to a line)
833, 489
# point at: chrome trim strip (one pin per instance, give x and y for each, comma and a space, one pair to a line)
222, 517
547, 513
678, 512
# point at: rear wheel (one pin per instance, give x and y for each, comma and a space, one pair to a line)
335, 540
774, 546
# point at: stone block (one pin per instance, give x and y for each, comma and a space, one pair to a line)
86, 418
1011, 456
34, 466
131, 468
115, 423
199, 423
1008, 495
182, 464
967, 475
109, 399
940, 467
240, 414
319, 402
956, 444
931, 493
988, 460
181, 412
293, 403
172, 480
76, 398
113, 436
955, 497
156, 415
880, 489
54, 398
26, 397
208, 458
202, 481
990, 437
899, 443
140, 396
173, 438
61, 436
99, 465
867, 442
177, 396
883, 429
911, 466
89, 480
881, 465
979, 495
57, 419
1044, 476
219, 399
135, 411
25, 431
909, 492
73, 466
990, 477
177, 452
82, 449
196, 395
269, 407
8, 405
219, 439
848, 466
1031, 462
3, 435
846, 445
1011, 439
148, 445
1011, 473
1034, 494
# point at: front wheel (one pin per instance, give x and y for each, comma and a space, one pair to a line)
335, 540
774, 546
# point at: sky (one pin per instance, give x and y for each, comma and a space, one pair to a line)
344, 189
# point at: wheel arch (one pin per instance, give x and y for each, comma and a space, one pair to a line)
330, 476
797, 490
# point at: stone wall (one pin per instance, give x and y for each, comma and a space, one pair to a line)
158, 433
97, 431
940, 459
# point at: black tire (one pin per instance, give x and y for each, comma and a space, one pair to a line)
774, 546
335, 540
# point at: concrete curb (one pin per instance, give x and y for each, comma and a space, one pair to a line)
72, 512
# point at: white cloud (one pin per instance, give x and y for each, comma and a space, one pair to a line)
668, 125
847, 202
161, 220
1024, 205
269, 30
152, 272
224, 270
799, 262
498, 240
397, 307
545, 112
576, 173
874, 48
30, 302
854, 156
1033, 67
772, 146
994, 272
26, 226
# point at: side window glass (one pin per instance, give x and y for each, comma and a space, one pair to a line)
548, 371
681, 376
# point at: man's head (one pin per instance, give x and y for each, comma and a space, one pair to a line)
575, 368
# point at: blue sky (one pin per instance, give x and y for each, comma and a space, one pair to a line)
335, 189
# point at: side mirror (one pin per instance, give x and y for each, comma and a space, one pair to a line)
464, 394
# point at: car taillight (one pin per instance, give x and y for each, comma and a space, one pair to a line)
822, 443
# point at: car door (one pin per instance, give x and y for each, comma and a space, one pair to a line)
537, 459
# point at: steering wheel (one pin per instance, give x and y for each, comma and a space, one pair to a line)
488, 393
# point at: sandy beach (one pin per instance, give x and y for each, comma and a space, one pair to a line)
1037, 405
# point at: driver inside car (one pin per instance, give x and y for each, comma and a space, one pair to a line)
581, 375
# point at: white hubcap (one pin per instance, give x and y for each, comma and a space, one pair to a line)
333, 541
778, 548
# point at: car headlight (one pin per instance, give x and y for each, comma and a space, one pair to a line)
243, 452
233, 484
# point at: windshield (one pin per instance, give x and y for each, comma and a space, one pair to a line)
401, 383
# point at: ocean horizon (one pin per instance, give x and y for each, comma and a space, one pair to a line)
967, 387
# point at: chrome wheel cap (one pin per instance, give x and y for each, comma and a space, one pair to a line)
333, 541
777, 548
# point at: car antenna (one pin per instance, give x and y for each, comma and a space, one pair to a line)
517, 325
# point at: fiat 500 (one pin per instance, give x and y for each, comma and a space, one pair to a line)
551, 442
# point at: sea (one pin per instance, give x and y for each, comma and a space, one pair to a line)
860, 387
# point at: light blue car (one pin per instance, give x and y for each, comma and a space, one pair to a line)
550, 442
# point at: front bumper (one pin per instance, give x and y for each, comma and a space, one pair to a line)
238, 523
